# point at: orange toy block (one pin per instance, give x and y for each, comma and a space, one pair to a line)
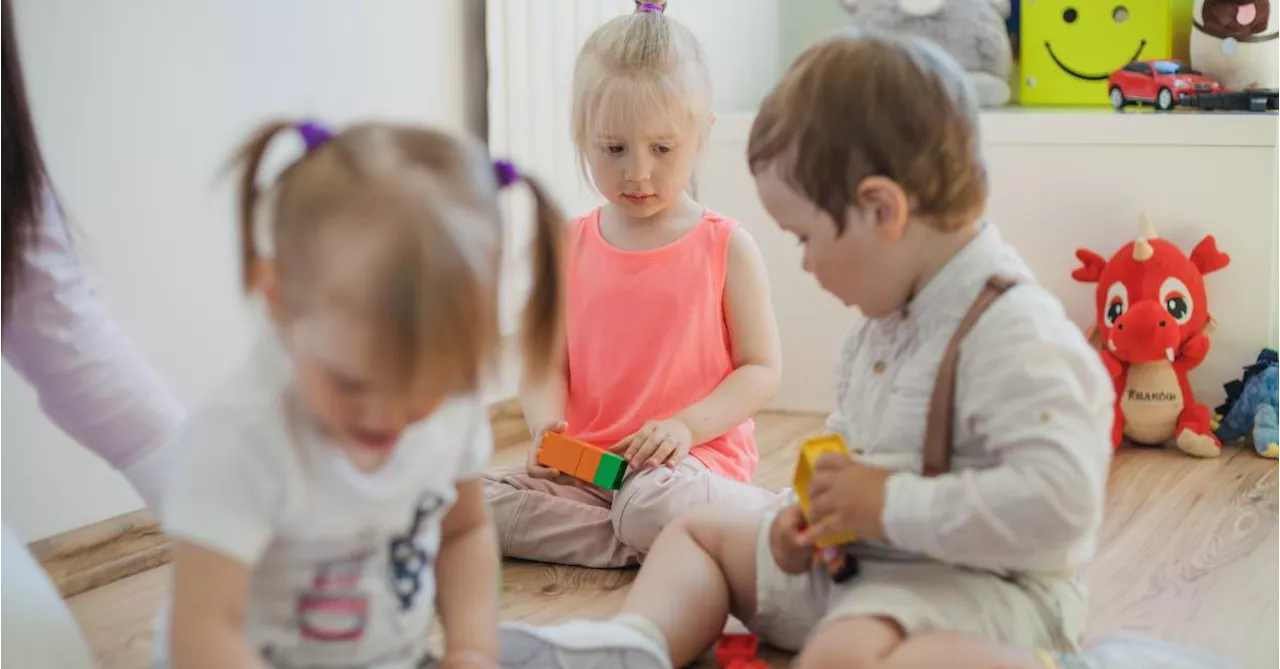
560, 452
582, 461
587, 464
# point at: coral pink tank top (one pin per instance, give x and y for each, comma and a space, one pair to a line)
647, 337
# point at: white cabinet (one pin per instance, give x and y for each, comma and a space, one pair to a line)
1063, 180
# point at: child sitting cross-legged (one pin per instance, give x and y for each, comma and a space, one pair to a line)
670, 342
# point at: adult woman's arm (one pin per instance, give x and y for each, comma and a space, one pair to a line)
92, 380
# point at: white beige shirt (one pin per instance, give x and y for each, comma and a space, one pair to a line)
1031, 428
92, 380
342, 560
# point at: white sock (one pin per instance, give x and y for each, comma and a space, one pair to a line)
645, 627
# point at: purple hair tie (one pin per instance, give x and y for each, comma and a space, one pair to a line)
651, 7
313, 134
506, 172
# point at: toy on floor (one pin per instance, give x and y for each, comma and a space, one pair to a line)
737, 650
1152, 319
582, 461
972, 31
840, 566
1251, 406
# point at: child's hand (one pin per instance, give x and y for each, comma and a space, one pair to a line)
659, 442
845, 496
469, 659
791, 556
531, 466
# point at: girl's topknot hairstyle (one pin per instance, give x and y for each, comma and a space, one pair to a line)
638, 68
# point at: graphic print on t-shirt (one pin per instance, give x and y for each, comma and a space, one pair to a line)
408, 559
335, 608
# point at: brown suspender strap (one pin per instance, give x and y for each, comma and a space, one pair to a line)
937, 436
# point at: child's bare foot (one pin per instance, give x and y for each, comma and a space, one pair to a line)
582, 644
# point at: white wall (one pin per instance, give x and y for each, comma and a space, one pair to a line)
803, 23
138, 104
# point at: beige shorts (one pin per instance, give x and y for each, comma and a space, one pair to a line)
924, 596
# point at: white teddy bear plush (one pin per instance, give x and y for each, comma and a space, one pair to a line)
1235, 42
972, 31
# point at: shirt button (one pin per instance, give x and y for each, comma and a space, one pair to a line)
879, 367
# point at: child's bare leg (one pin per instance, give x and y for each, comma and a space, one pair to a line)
701, 569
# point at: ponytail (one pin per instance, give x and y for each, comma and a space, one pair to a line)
248, 160
542, 316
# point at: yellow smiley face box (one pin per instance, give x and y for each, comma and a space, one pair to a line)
1070, 47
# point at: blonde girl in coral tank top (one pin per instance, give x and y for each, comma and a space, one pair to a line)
671, 344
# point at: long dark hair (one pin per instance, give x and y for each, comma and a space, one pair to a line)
24, 172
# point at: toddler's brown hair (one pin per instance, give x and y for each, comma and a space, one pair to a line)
401, 227
863, 104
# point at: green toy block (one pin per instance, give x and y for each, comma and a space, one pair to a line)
610, 471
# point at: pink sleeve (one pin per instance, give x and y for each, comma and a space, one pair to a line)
92, 381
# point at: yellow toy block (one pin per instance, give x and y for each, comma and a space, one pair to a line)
1071, 47
810, 450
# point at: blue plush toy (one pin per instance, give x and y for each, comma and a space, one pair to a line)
1251, 406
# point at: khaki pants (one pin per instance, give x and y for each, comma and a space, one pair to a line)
1032, 611
568, 522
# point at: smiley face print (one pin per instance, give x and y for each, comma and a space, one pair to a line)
1070, 47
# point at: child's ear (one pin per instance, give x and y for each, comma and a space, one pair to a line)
885, 205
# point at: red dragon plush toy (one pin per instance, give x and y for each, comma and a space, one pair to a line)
1151, 322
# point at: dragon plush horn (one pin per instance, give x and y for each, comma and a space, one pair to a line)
1142, 250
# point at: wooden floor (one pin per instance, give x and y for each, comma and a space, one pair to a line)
1188, 553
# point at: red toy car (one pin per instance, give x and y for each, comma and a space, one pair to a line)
1162, 83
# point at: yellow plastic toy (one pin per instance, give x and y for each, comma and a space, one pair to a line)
841, 567
1071, 47
809, 452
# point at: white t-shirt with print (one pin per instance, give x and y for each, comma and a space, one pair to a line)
342, 560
